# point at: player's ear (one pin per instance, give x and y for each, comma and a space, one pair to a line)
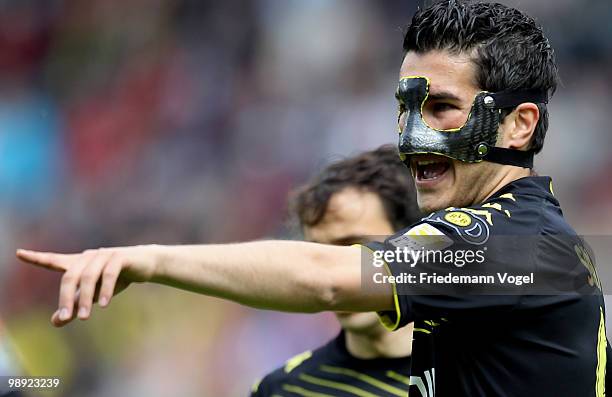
518, 126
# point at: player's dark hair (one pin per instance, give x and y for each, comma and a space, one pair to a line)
379, 171
509, 49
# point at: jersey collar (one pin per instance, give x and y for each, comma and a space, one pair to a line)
342, 354
539, 186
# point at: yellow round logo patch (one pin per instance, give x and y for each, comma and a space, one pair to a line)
458, 218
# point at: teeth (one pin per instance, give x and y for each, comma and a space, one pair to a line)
429, 175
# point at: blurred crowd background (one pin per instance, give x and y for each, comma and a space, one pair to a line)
187, 121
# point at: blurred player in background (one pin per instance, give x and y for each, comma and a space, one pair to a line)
357, 200
473, 89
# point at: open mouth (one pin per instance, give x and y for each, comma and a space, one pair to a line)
429, 168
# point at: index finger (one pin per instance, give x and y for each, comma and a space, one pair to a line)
48, 260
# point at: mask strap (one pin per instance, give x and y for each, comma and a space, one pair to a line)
504, 100
517, 158
510, 99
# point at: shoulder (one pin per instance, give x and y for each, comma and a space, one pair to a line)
524, 207
272, 381
290, 370
476, 223
442, 228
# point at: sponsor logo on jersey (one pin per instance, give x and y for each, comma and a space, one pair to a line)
422, 236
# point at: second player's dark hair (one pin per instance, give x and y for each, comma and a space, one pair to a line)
378, 171
509, 49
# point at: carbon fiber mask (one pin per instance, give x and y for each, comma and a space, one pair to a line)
475, 140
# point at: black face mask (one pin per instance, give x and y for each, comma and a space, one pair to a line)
475, 140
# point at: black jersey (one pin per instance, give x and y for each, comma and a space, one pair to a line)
332, 371
521, 341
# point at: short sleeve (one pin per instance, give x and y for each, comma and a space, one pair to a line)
608, 366
436, 271
401, 314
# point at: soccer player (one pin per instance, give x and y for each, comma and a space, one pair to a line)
353, 201
473, 89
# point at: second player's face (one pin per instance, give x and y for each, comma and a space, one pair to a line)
440, 181
353, 216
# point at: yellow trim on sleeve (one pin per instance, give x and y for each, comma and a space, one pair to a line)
255, 386
295, 361
600, 382
550, 186
384, 318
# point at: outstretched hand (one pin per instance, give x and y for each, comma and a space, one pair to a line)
93, 276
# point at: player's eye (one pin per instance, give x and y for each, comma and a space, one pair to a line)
442, 107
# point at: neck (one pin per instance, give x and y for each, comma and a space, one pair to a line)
509, 174
380, 344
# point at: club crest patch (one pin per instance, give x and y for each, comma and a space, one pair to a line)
470, 226
458, 218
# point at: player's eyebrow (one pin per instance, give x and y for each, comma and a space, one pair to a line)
437, 96
443, 95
